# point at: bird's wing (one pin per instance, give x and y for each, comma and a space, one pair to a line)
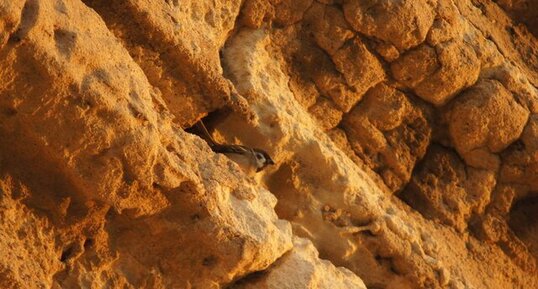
230, 149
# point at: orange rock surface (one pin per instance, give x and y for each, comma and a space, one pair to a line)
405, 135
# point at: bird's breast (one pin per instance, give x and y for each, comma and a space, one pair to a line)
246, 163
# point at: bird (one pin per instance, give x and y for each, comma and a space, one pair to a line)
251, 160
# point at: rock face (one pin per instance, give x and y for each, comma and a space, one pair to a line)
403, 24
404, 134
485, 120
99, 184
389, 132
301, 268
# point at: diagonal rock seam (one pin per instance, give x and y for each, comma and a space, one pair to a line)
354, 110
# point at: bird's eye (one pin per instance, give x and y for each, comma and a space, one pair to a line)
260, 157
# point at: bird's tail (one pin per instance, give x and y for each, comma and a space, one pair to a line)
205, 133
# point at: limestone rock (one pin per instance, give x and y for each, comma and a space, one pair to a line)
520, 162
329, 81
445, 190
306, 181
389, 132
523, 11
290, 11
176, 44
329, 27
11, 17
29, 257
360, 68
448, 25
416, 65
484, 121
403, 24
366, 107
326, 113
117, 194
255, 12
437, 75
302, 268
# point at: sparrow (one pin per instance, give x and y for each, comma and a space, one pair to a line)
251, 160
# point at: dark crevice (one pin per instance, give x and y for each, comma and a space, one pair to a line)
88, 243
523, 221
210, 121
67, 253
253, 277
210, 261
29, 15
414, 201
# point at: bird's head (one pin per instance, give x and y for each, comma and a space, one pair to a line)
262, 159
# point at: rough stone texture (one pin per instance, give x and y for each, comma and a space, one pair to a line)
523, 225
177, 44
403, 24
453, 198
484, 121
498, 43
28, 252
99, 188
301, 268
255, 12
404, 134
520, 162
345, 76
330, 56
326, 113
390, 133
360, 68
290, 11
336, 204
524, 11
329, 27
10, 20
438, 74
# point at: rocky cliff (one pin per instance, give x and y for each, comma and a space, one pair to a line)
405, 135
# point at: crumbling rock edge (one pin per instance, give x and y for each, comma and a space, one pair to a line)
405, 135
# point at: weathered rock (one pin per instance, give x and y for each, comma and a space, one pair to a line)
361, 69
438, 74
390, 133
10, 21
301, 268
523, 11
328, 26
416, 66
28, 258
118, 195
444, 189
177, 45
304, 91
329, 81
484, 121
288, 12
326, 113
403, 24
515, 81
520, 162
255, 12
522, 223
320, 189
448, 25
100, 187
497, 42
